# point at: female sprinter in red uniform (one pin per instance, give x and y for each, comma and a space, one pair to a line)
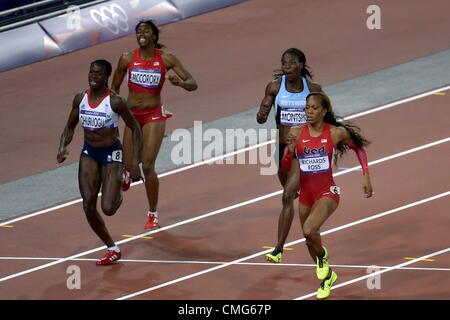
147, 67
288, 95
98, 110
319, 197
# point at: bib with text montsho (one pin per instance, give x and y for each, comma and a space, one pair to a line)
292, 117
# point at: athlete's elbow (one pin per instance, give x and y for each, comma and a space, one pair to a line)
192, 87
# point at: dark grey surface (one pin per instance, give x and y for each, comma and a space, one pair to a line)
419, 75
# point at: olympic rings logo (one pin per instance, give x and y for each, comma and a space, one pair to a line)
114, 18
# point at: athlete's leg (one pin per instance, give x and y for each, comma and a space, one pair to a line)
319, 213
153, 133
304, 212
111, 192
311, 219
290, 190
89, 179
282, 177
127, 145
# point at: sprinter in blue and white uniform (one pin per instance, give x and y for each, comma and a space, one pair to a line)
287, 95
100, 168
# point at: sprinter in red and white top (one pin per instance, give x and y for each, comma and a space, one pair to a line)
314, 148
147, 68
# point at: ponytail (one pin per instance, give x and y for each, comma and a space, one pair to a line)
306, 70
334, 120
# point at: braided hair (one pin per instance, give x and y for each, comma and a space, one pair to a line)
155, 32
306, 70
334, 120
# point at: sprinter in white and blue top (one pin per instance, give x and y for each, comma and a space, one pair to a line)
99, 115
287, 94
100, 168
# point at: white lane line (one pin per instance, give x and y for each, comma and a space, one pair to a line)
395, 103
261, 264
141, 235
210, 214
313, 294
380, 108
37, 213
396, 155
428, 145
138, 182
348, 225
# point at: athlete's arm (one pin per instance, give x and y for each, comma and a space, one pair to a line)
183, 78
121, 71
268, 100
291, 139
362, 158
291, 142
286, 161
361, 155
119, 105
69, 129
344, 137
314, 87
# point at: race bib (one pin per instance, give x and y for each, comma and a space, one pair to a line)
116, 156
147, 78
335, 190
314, 163
292, 117
92, 120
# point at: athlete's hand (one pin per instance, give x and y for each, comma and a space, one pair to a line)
176, 81
261, 117
62, 154
367, 186
291, 140
136, 174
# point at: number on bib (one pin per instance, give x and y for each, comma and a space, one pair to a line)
117, 155
335, 190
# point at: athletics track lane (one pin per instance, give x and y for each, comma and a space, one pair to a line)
240, 232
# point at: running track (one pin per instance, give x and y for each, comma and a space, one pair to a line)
193, 259
217, 218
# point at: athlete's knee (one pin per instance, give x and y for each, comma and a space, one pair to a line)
90, 211
148, 166
310, 233
109, 208
289, 195
89, 207
282, 177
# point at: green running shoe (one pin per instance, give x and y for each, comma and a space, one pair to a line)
275, 256
322, 269
325, 288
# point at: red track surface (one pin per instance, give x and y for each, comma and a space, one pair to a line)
243, 231
232, 79
227, 52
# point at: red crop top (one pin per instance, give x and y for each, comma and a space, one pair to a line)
146, 76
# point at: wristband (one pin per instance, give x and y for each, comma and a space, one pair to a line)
286, 161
